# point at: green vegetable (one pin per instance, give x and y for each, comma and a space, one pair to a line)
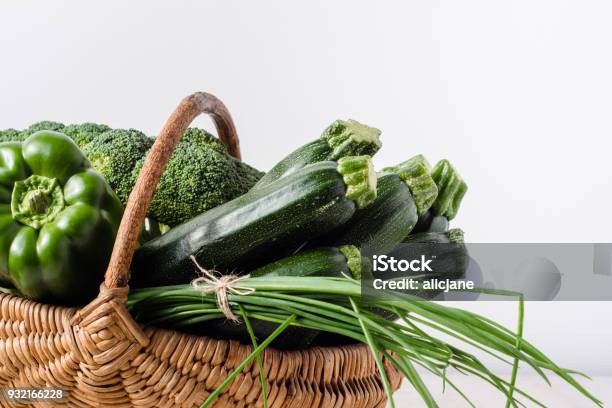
82, 133
199, 176
85, 133
340, 139
451, 191
438, 224
451, 188
432, 336
325, 261
446, 249
260, 226
11, 135
416, 173
378, 228
150, 229
58, 219
44, 125
431, 223
114, 154
294, 338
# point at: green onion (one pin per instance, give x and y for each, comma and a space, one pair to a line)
262, 378
335, 305
215, 394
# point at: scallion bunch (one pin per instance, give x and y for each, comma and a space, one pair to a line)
336, 305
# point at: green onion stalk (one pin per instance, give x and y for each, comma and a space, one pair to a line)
336, 305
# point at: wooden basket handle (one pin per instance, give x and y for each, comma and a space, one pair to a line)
118, 272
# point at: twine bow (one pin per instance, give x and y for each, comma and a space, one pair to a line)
222, 286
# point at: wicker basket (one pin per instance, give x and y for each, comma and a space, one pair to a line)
102, 358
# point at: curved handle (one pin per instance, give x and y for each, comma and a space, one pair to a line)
118, 272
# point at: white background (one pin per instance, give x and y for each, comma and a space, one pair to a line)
517, 94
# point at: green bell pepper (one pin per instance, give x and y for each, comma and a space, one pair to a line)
58, 220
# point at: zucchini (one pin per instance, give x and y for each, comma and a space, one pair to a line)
428, 222
325, 261
451, 259
150, 229
453, 236
416, 172
451, 189
340, 139
263, 225
446, 248
378, 228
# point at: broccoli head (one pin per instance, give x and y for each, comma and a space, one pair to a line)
203, 139
45, 125
114, 153
82, 133
12, 135
247, 175
85, 133
200, 175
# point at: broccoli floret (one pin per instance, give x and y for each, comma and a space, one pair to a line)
200, 175
45, 125
248, 176
202, 138
85, 133
12, 135
82, 133
114, 153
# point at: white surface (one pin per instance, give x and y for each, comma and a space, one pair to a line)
516, 94
484, 395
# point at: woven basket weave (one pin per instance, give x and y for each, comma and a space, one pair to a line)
103, 358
